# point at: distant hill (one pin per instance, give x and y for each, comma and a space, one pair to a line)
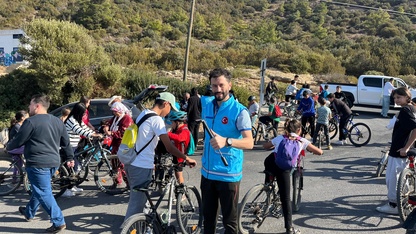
296, 36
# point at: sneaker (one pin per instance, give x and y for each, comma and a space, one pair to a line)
388, 209
54, 229
329, 147
68, 193
22, 211
75, 189
339, 142
345, 142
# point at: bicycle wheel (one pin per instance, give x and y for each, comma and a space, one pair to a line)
141, 224
105, 179
405, 186
11, 176
332, 129
269, 134
359, 134
259, 132
297, 187
320, 138
254, 208
59, 182
188, 210
383, 163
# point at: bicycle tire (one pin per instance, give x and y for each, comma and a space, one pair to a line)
332, 129
253, 209
189, 210
361, 131
140, 224
382, 164
405, 186
9, 181
59, 182
104, 178
320, 139
297, 187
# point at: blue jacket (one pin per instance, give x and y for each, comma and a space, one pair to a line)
224, 122
307, 106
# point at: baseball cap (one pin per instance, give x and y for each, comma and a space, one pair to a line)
166, 96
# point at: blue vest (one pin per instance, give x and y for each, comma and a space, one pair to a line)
224, 123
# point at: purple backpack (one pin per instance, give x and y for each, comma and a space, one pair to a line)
287, 153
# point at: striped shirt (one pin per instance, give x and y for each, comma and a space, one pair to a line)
75, 130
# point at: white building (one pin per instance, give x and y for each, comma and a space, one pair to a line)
9, 44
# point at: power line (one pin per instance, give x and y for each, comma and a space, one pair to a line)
367, 7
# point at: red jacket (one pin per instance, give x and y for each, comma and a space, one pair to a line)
124, 123
180, 139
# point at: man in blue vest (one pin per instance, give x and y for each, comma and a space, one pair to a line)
230, 124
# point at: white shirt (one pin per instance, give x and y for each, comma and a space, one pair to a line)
254, 108
291, 90
153, 126
388, 88
303, 143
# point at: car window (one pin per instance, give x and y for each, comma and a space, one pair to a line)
100, 110
373, 82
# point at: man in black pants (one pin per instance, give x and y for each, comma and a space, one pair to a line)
194, 114
340, 108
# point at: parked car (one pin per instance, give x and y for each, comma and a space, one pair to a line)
99, 109
368, 91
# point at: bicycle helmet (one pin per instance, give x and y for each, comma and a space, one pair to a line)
251, 98
177, 116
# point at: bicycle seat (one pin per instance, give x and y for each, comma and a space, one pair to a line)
267, 173
355, 114
411, 152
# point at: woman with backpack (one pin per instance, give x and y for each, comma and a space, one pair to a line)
180, 137
273, 115
274, 163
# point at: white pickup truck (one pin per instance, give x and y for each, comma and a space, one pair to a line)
368, 91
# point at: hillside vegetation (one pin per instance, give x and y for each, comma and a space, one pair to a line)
99, 47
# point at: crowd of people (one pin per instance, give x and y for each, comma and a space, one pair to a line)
48, 141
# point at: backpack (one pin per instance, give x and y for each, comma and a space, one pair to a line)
277, 111
127, 151
191, 146
287, 153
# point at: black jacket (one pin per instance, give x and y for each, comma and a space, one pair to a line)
194, 108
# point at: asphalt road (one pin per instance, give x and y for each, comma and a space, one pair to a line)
340, 194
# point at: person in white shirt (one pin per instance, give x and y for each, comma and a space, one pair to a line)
253, 109
388, 88
291, 91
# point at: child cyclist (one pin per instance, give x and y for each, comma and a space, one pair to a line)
180, 137
292, 129
324, 114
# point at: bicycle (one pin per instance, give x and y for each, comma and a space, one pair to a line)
188, 205
406, 186
382, 164
359, 134
263, 200
267, 132
289, 109
11, 174
65, 177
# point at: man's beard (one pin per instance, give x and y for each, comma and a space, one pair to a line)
218, 98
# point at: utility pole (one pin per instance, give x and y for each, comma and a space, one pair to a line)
188, 41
